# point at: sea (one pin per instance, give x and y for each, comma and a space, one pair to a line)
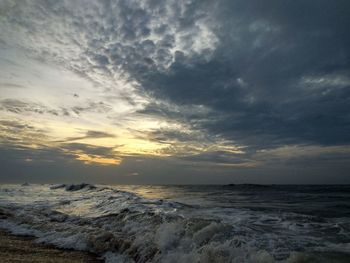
185, 223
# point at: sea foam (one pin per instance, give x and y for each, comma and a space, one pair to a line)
121, 226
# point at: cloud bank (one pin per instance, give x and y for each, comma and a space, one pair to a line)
230, 87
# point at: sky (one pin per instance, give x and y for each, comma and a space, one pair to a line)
175, 91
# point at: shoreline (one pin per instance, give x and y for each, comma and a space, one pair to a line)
15, 248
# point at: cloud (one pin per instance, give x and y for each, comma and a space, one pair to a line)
222, 159
27, 142
11, 85
218, 82
91, 154
98, 134
98, 107
19, 106
253, 81
90, 135
89, 149
21, 134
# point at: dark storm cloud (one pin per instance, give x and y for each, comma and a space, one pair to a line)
254, 79
221, 158
261, 75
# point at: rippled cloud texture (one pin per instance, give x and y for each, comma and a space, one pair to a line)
175, 91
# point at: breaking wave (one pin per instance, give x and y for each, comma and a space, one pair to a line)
73, 187
122, 226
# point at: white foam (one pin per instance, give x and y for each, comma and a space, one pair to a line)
168, 235
124, 227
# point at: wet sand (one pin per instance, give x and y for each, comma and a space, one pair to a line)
24, 249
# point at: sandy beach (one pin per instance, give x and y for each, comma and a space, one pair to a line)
24, 249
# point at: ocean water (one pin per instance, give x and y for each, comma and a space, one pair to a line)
234, 223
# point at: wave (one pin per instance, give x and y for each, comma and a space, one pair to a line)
73, 187
143, 240
124, 227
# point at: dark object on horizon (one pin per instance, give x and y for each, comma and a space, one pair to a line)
25, 184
